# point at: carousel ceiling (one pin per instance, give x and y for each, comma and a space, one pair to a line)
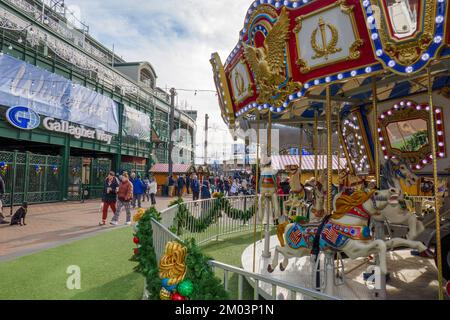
288, 51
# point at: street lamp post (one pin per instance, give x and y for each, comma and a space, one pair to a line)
171, 127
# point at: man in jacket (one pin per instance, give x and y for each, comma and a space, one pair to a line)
109, 197
171, 185
2, 192
188, 184
138, 189
124, 195
195, 186
180, 186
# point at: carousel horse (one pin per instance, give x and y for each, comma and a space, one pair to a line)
347, 230
392, 172
268, 189
296, 203
395, 170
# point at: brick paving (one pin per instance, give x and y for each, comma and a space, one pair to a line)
49, 225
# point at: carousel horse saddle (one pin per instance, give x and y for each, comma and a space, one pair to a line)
324, 235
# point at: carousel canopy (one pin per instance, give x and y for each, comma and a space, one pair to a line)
289, 51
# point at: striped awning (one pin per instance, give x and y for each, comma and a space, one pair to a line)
280, 163
164, 168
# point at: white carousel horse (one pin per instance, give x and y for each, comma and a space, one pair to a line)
395, 170
347, 232
295, 204
268, 189
392, 172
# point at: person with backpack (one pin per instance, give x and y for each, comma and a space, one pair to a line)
109, 196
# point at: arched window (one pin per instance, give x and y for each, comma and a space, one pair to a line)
147, 78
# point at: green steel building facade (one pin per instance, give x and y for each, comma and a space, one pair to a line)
46, 164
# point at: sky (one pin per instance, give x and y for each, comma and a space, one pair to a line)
177, 37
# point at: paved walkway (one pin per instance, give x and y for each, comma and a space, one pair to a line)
49, 225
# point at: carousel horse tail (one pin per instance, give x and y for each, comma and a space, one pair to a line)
315, 250
281, 228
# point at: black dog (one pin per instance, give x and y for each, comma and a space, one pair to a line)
19, 217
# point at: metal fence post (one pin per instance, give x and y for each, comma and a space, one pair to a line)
13, 186
27, 176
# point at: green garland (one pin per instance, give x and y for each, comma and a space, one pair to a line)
184, 220
145, 255
206, 285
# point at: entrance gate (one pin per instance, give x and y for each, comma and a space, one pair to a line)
86, 176
31, 178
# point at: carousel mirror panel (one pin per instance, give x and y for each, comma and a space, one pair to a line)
356, 142
404, 133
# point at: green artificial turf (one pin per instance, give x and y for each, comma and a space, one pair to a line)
106, 272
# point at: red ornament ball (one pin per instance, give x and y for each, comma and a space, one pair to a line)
136, 251
136, 240
447, 288
178, 297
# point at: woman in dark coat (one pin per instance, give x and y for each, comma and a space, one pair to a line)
109, 197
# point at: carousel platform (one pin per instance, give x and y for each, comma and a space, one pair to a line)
411, 277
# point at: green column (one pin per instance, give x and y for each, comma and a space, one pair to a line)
65, 154
27, 176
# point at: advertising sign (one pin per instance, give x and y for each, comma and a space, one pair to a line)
22, 84
136, 124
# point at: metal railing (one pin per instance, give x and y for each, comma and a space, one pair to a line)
210, 219
162, 235
259, 278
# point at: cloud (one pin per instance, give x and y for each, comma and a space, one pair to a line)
177, 37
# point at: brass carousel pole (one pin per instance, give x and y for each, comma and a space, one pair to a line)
436, 188
329, 150
256, 191
315, 142
268, 207
375, 132
300, 152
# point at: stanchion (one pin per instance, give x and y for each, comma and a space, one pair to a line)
436, 187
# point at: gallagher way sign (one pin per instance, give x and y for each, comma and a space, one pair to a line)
77, 131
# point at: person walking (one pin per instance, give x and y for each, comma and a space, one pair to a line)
124, 197
2, 192
109, 196
146, 191
188, 184
138, 190
180, 186
234, 188
153, 189
206, 192
226, 187
195, 186
171, 185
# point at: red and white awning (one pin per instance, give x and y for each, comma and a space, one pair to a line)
281, 162
164, 168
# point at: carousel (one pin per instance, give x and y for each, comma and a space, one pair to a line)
365, 82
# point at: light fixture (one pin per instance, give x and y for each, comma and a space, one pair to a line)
20, 40
10, 47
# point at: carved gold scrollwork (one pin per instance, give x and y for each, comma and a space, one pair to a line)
409, 52
354, 53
